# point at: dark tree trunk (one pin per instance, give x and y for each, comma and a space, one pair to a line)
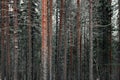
65, 46
91, 43
29, 54
59, 74
78, 39
119, 44
15, 40
8, 43
50, 12
2, 41
57, 29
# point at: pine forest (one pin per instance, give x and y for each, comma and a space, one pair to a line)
59, 39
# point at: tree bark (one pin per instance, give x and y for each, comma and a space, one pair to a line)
65, 47
50, 12
78, 39
29, 60
44, 40
15, 41
2, 41
8, 42
91, 43
57, 29
119, 44
59, 77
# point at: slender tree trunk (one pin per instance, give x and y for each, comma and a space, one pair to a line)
84, 51
78, 39
110, 53
56, 56
60, 39
8, 43
119, 44
65, 55
2, 41
110, 47
29, 55
91, 43
65, 47
15, 41
50, 10
71, 53
6, 23
44, 40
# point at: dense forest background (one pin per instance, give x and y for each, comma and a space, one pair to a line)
60, 39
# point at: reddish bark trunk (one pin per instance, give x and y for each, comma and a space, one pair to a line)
44, 40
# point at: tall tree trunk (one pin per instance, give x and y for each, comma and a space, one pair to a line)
65, 54
44, 34
110, 46
2, 41
57, 29
15, 41
29, 55
8, 43
71, 52
91, 43
5, 39
119, 44
50, 10
78, 39
59, 77
65, 47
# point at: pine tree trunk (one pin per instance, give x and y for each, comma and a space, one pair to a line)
50, 10
44, 34
110, 46
59, 77
78, 39
119, 44
71, 53
8, 43
56, 56
29, 54
91, 43
65, 47
2, 41
15, 41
